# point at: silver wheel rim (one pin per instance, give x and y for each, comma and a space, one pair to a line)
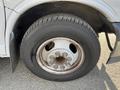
60, 55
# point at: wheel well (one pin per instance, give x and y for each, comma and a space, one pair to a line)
90, 15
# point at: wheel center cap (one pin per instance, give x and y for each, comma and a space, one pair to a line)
60, 59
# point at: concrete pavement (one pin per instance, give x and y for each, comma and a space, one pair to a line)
103, 77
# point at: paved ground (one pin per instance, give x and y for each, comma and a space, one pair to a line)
103, 77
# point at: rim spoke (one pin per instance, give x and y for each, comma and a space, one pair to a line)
62, 44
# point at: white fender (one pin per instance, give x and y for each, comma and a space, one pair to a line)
25, 5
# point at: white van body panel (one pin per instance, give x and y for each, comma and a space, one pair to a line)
115, 5
2, 30
23, 5
20, 6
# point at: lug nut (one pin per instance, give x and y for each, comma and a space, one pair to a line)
62, 67
51, 62
51, 57
57, 54
65, 54
55, 66
68, 64
69, 59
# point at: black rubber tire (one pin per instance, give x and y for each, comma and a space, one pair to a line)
60, 25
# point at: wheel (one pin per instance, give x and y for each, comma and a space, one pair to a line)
60, 47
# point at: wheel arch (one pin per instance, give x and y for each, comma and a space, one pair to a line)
82, 8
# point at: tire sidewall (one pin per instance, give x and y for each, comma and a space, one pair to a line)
46, 31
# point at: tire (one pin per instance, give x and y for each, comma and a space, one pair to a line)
60, 25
